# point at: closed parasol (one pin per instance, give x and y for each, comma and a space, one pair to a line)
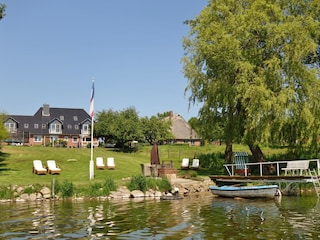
155, 154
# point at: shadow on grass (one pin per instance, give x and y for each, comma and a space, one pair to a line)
3, 165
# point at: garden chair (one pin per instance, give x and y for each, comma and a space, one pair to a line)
52, 167
110, 163
185, 163
100, 163
195, 164
38, 168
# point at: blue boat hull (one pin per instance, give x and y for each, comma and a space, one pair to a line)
266, 191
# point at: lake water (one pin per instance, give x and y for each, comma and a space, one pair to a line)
202, 217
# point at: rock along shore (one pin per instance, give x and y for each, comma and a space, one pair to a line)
182, 187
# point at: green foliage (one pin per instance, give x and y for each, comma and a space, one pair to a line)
138, 182
212, 162
155, 128
163, 184
122, 127
254, 68
29, 190
142, 183
3, 131
2, 10
108, 186
66, 188
6, 192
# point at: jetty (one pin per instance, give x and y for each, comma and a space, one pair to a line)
287, 174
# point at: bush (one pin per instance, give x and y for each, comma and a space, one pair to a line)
108, 186
213, 162
66, 188
6, 192
163, 185
142, 183
138, 183
94, 190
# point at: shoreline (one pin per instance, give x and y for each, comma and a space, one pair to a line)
181, 188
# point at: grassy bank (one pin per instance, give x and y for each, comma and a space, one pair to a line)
16, 162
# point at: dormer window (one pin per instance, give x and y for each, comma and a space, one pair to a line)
55, 128
75, 118
85, 129
11, 127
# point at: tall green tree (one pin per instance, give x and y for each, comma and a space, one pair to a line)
3, 131
155, 128
2, 10
248, 63
119, 127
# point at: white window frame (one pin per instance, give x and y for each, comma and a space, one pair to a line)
55, 128
37, 138
11, 127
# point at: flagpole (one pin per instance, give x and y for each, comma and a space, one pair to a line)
91, 164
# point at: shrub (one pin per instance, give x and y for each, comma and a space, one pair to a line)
94, 190
213, 162
29, 190
142, 183
66, 189
108, 186
138, 183
6, 192
163, 185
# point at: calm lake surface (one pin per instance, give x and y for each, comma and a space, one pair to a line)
202, 217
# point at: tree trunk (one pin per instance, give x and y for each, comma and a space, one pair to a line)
228, 153
257, 154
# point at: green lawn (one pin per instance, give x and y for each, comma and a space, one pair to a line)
16, 162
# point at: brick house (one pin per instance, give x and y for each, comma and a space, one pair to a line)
182, 131
51, 126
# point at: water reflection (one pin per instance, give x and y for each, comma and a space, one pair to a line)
203, 217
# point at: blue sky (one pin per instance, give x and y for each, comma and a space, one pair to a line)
51, 51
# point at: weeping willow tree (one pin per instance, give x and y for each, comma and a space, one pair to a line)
253, 66
2, 10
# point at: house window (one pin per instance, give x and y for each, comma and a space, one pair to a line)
75, 118
85, 129
76, 126
74, 139
61, 117
36, 125
55, 128
53, 139
11, 127
69, 126
66, 138
37, 138
26, 125
44, 126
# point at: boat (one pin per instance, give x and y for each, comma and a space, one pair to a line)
264, 191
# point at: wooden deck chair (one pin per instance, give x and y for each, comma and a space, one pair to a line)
195, 164
185, 163
100, 163
38, 168
52, 167
110, 163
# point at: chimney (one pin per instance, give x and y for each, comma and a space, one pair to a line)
45, 110
171, 114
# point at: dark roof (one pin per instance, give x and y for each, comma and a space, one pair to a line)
69, 117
